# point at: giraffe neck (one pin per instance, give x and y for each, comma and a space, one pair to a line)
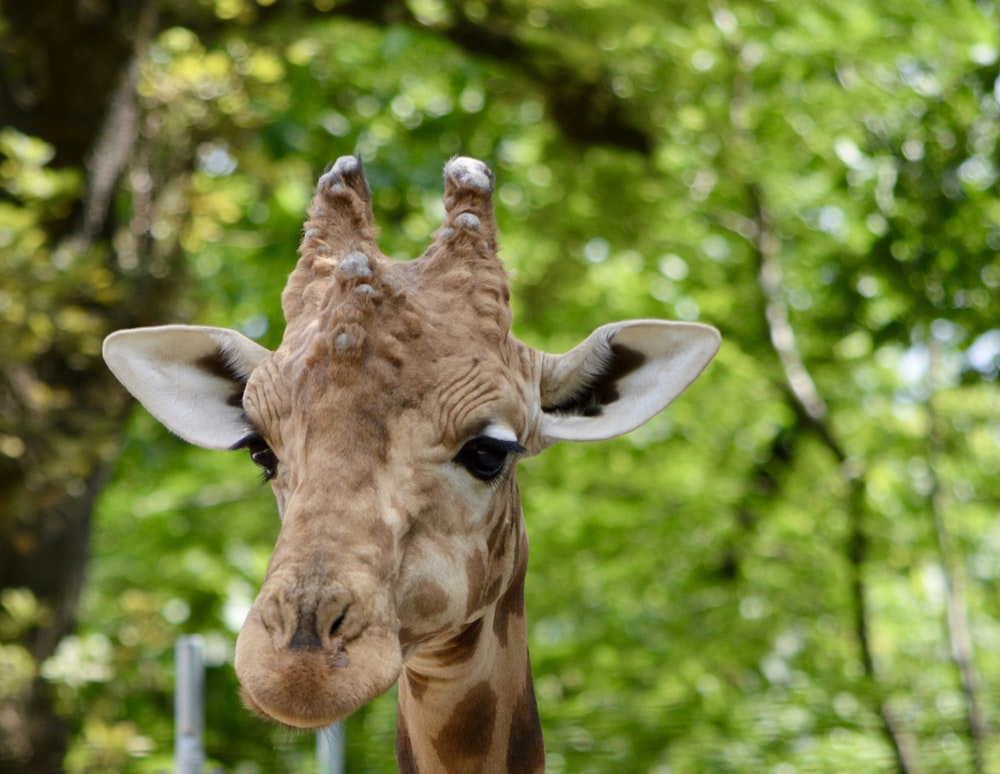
468, 704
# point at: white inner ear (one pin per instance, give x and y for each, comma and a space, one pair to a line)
191, 378
673, 355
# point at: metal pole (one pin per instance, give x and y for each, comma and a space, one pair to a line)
189, 704
330, 749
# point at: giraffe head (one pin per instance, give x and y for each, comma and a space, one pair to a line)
388, 423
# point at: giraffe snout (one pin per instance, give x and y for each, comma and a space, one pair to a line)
312, 651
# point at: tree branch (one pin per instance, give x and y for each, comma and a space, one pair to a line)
956, 616
779, 326
812, 409
585, 107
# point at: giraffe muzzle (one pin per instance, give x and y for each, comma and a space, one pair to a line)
310, 659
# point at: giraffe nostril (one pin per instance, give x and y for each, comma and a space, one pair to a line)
337, 623
273, 615
332, 615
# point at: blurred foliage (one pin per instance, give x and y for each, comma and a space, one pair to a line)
693, 591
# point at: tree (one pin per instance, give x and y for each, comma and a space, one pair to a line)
66, 108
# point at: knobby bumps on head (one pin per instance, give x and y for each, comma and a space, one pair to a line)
339, 236
340, 224
468, 203
463, 261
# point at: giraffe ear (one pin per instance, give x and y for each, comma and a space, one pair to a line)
190, 378
621, 376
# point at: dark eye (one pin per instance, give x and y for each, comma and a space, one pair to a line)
260, 453
485, 457
263, 458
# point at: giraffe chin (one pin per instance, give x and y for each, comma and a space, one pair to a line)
312, 689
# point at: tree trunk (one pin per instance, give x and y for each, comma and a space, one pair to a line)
67, 80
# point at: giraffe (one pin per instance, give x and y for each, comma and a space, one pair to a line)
389, 422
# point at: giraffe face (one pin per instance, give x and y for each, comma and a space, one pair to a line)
400, 515
389, 423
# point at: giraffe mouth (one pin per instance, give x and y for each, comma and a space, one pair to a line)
313, 687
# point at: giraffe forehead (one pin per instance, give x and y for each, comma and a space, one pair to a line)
362, 299
471, 395
397, 347
357, 297
415, 400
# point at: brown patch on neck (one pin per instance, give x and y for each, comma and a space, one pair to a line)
430, 600
508, 527
526, 748
511, 603
462, 647
475, 573
404, 747
417, 684
468, 734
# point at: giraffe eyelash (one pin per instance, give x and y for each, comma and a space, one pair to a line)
261, 454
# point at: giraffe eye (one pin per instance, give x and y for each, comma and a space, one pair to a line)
485, 457
266, 461
262, 456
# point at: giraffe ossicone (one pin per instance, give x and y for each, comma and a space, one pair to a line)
389, 423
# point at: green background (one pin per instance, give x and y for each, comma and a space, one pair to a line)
796, 568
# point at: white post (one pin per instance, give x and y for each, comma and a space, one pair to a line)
330, 749
189, 704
